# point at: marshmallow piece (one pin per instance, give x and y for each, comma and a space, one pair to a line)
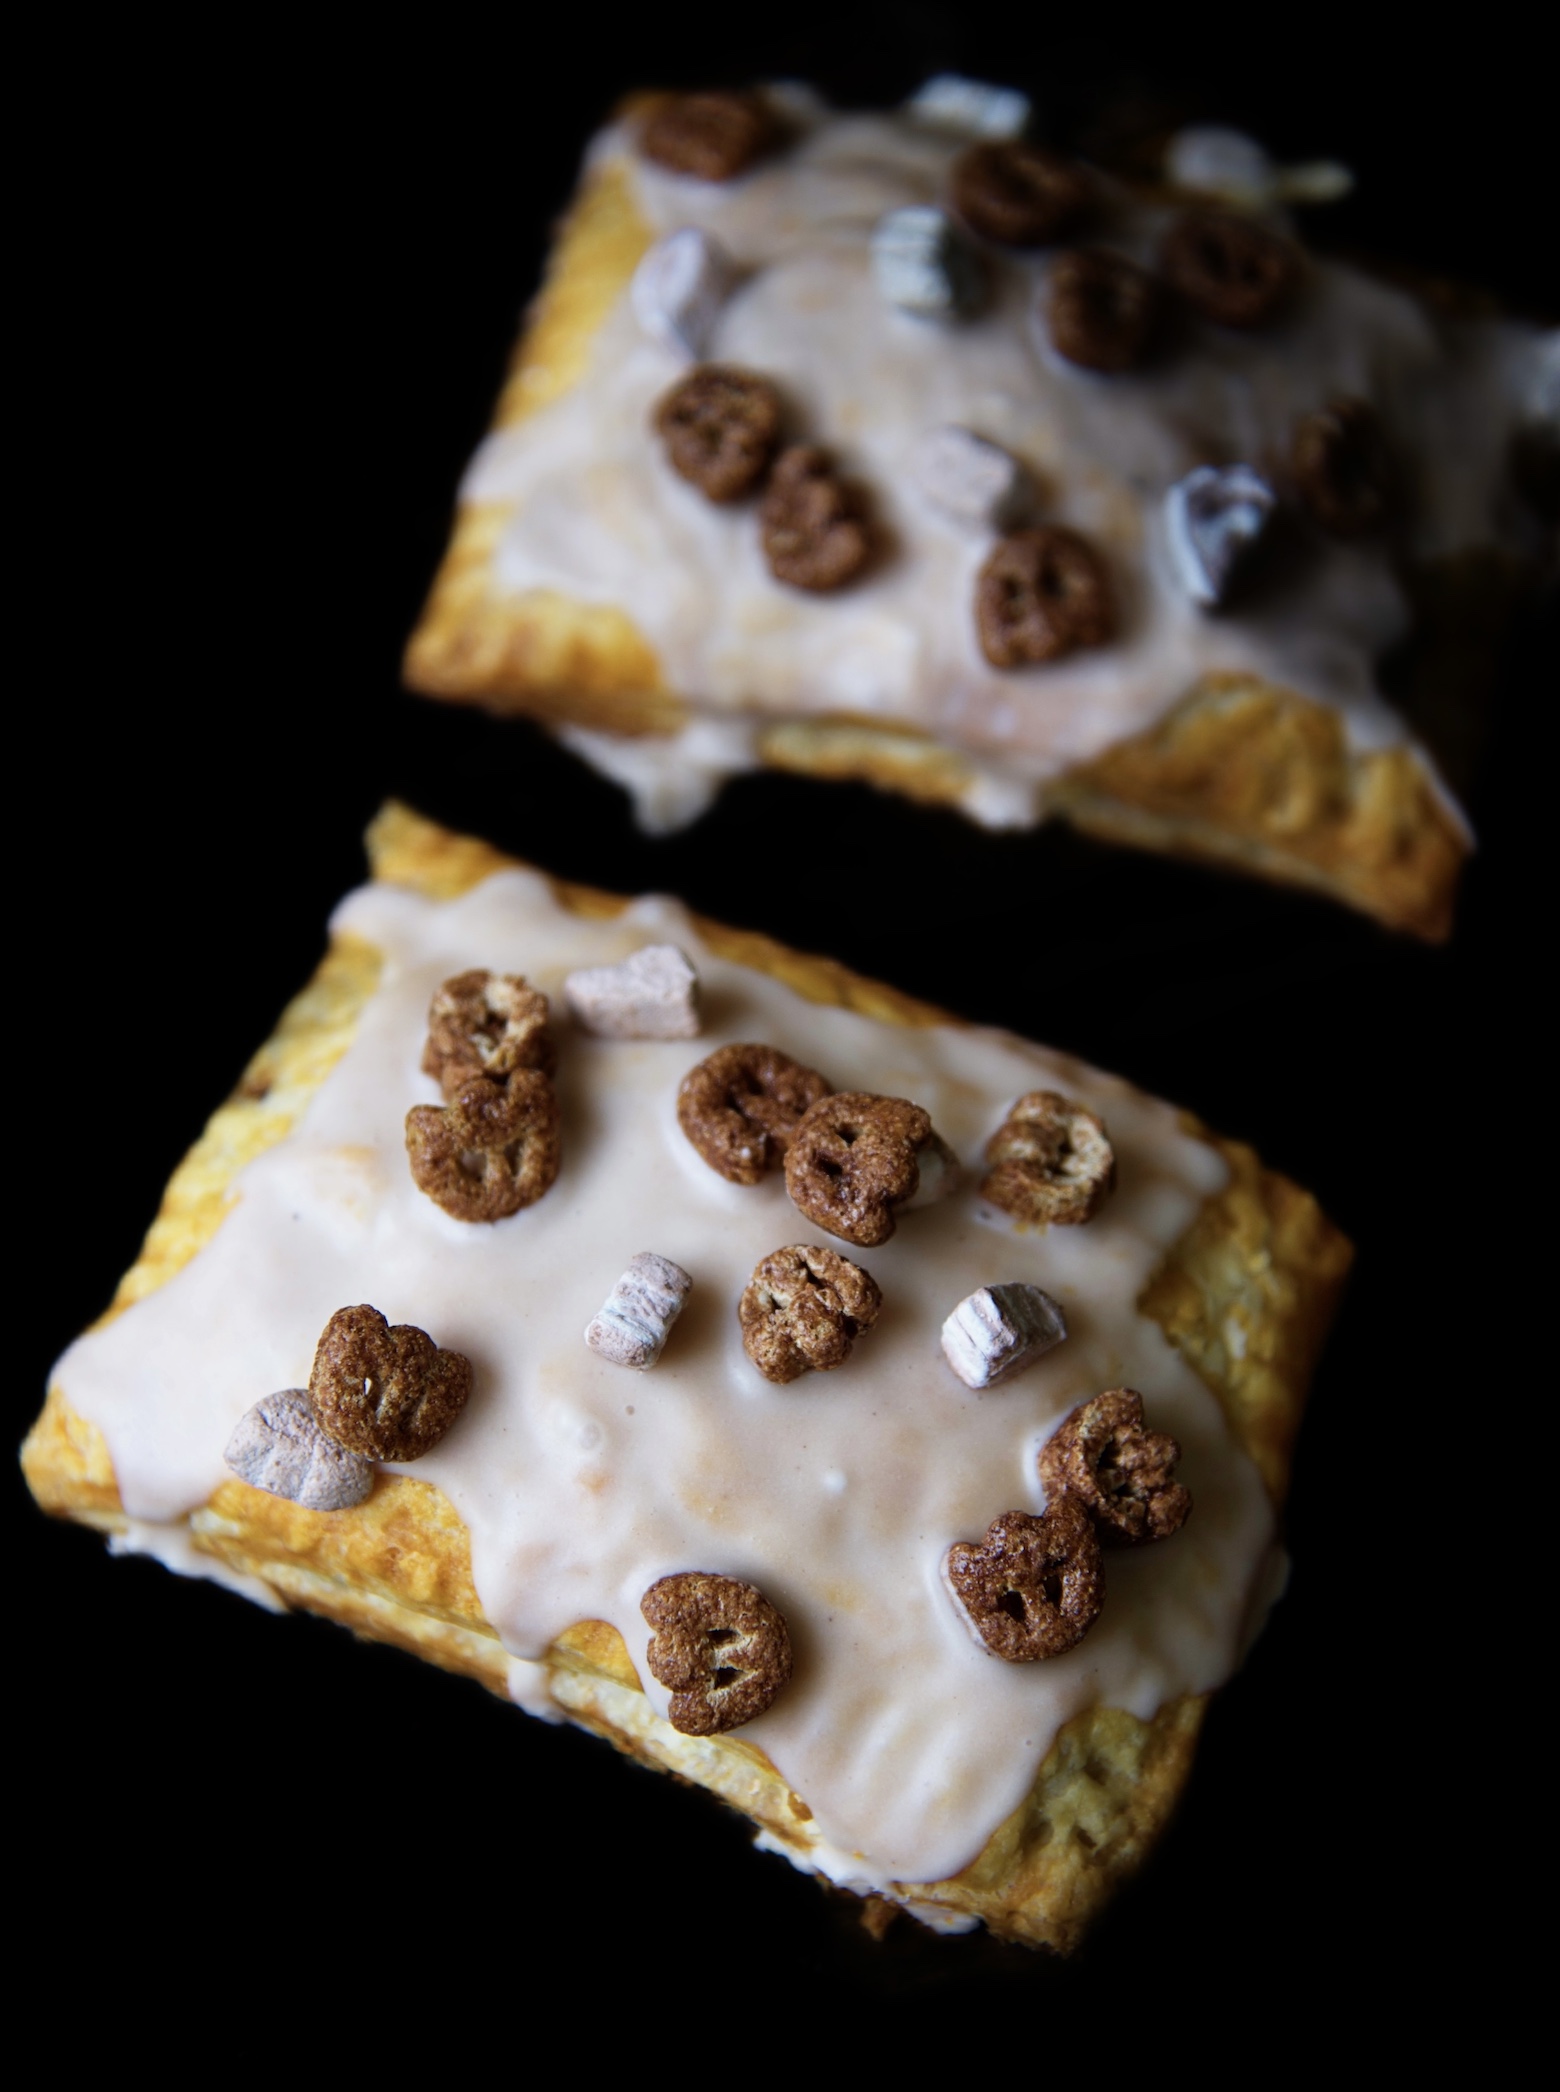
1001, 1330
679, 289
281, 1447
940, 1173
1215, 161
632, 1326
1214, 516
1541, 402
923, 263
969, 479
949, 102
652, 995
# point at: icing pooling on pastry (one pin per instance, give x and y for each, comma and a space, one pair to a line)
838, 1495
598, 515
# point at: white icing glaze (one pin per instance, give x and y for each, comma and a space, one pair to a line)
838, 1496
600, 516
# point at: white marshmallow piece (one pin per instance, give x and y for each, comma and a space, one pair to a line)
1541, 401
949, 102
1214, 161
1000, 1330
1213, 517
632, 1327
653, 995
970, 480
923, 263
280, 1447
679, 289
939, 1174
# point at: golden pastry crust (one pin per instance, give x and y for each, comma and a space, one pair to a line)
1246, 1295
1238, 772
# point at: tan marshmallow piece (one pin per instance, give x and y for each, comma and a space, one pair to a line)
999, 1330
652, 995
970, 481
280, 1446
632, 1326
679, 288
972, 108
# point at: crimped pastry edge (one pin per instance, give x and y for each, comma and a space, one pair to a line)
1246, 1295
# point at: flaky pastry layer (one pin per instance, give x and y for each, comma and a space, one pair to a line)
1246, 1295
1238, 771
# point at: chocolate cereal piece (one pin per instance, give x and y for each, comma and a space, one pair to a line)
853, 1159
814, 524
1052, 1161
1228, 267
491, 1150
1036, 1587
803, 1309
719, 1645
482, 1023
1019, 195
385, 1393
1342, 468
712, 136
720, 425
1101, 310
740, 1107
1041, 594
1122, 1473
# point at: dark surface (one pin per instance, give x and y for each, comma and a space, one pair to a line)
317, 262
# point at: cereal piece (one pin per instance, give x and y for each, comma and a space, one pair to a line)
632, 1327
1214, 518
1053, 1161
387, 1394
1122, 1473
1040, 594
491, 1150
653, 994
1036, 1587
973, 481
482, 1023
1342, 468
815, 529
740, 1108
281, 1447
949, 102
853, 1159
924, 264
803, 1309
719, 1645
1000, 1330
711, 136
720, 426
1229, 268
1017, 194
1101, 310
680, 287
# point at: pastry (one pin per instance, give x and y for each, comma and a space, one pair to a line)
896, 447
686, 1396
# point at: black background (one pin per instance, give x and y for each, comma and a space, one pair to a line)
274, 322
